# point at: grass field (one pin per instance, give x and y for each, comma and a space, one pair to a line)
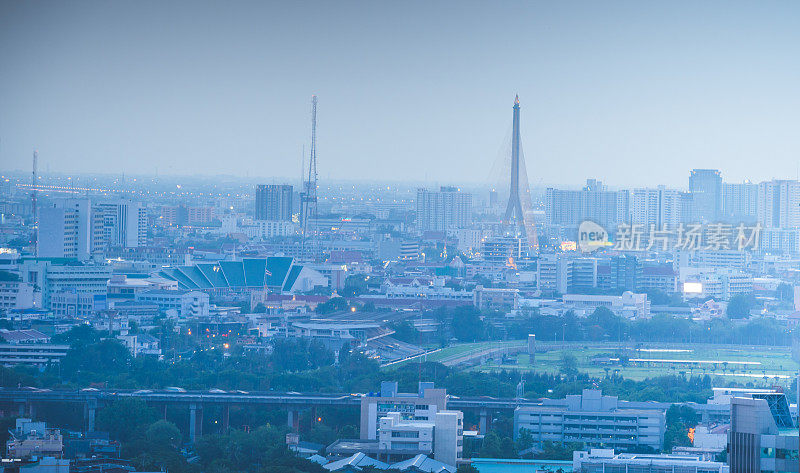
761, 365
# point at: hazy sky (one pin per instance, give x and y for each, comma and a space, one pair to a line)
633, 93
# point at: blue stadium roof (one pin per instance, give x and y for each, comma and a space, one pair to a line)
275, 272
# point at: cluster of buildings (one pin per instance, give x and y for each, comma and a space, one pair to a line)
34, 447
247, 262
707, 199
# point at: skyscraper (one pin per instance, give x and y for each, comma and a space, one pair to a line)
705, 185
448, 208
72, 229
124, 223
594, 202
660, 207
274, 202
779, 204
739, 202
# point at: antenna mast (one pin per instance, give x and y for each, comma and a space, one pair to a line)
309, 197
34, 186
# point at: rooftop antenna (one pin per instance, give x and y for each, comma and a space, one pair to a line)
309, 196
34, 186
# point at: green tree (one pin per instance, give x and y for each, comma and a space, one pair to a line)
334, 304
164, 433
568, 364
679, 420
125, 418
739, 307
466, 469
467, 324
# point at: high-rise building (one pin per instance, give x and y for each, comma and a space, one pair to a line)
124, 223
740, 202
705, 185
762, 435
274, 202
594, 202
779, 204
443, 210
660, 207
69, 229
424, 404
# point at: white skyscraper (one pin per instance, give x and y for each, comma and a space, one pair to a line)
740, 202
124, 223
446, 209
660, 207
68, 228
779, 204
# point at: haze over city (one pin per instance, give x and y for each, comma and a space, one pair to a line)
630, 92
399, 236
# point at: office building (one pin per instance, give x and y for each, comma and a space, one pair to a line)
422, 406
443, 210
584, 274
619, 273
594, 420
124, 223
69, 228
274, 202
554, 273
441, 436
71, 303
705, 187
52, 278
763, 437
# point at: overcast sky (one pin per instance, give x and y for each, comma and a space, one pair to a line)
633, 93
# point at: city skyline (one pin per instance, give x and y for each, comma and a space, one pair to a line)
144, 90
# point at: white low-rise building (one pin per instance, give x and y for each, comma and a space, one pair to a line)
600, 460
181, 303
443, 436
16, 295
628, 305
